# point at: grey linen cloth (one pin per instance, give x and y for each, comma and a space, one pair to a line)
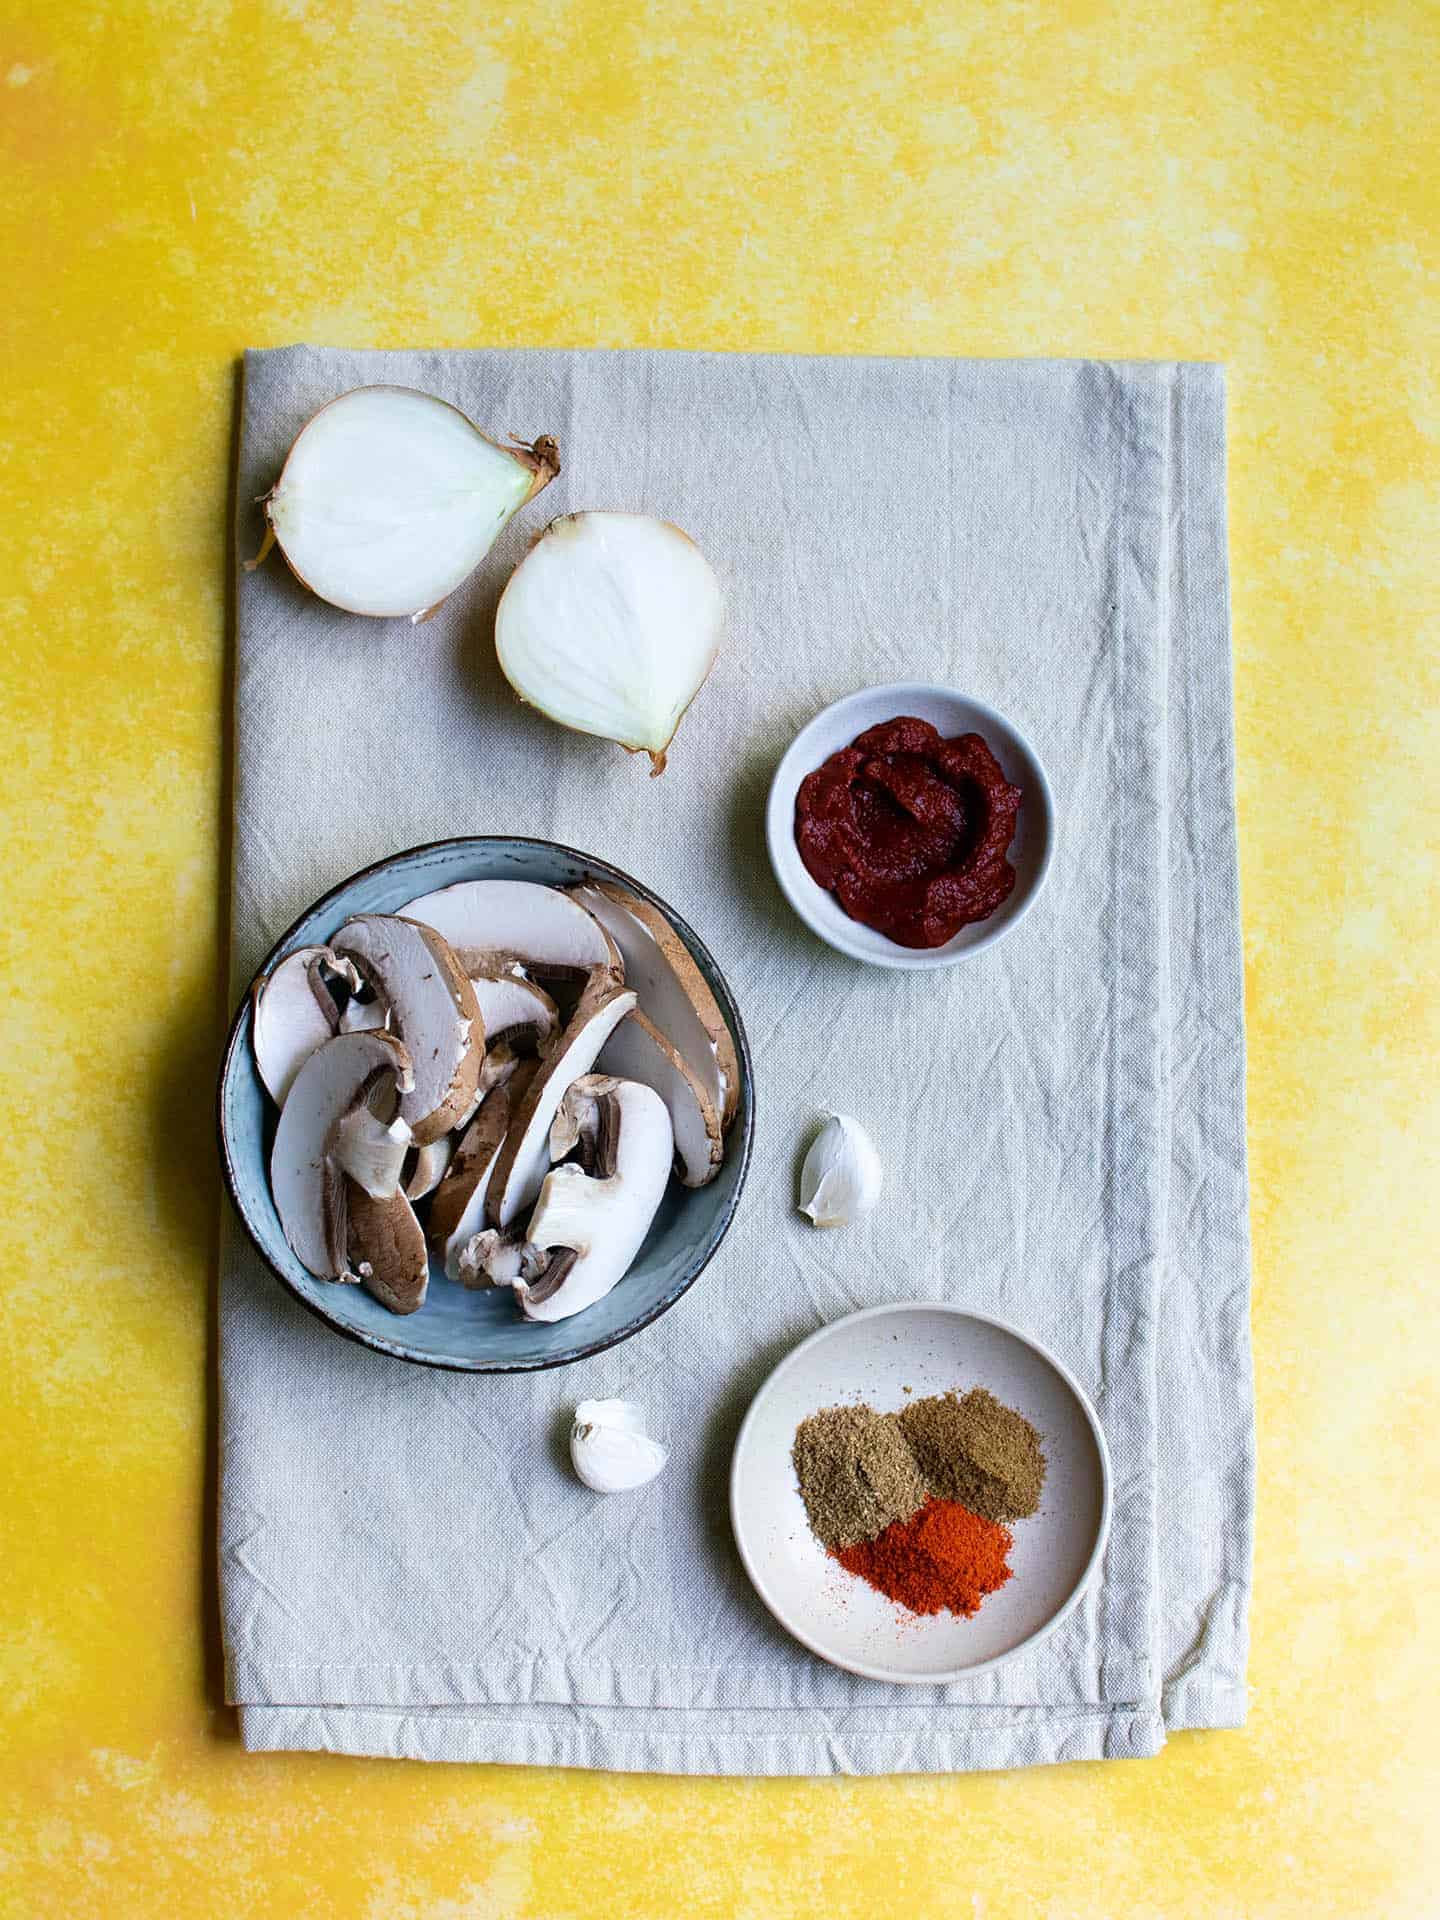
407, 1567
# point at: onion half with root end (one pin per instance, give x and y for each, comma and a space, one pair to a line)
389, 500
609, 626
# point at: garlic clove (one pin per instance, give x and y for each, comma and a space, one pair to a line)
610, 1449
842, 1175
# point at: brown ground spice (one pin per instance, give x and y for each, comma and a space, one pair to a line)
972, 1449
857, 1475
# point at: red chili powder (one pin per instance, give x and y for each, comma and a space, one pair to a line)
942, 1559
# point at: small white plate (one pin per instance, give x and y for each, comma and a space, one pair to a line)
951, 713
875, 1356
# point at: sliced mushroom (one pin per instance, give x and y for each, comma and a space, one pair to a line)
385, 1248
488, 1258
432, 1008
578, 1129
428, 1167
637, 1050
369, 1150
459, 1204
517, 1013
524, 1158
486, 920
592, 1226
294, 1013
364, 1015
672, 989
329, 1085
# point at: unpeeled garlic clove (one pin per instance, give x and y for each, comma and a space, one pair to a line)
842, 1175
610, 1449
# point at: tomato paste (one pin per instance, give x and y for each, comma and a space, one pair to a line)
910, 831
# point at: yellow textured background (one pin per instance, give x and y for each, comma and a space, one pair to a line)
1255, 184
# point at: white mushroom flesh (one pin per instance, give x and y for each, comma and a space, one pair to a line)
672, 991
488, 919
592, 1226
457, 1212
433, 1010
638, 1051
525, 1158
431, 1162
294, 1013
363, 1016
371, 1151
484, 1258
516, 1011
326, 1088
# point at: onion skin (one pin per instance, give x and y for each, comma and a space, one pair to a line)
541, 459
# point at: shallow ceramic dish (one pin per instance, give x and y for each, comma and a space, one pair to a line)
477, 1332
951, 713
886, 1356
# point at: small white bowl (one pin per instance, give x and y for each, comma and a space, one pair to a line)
951, 713
888, 1356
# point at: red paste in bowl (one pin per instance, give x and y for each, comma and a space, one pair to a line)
910, 831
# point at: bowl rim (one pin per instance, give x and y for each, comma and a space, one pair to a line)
235, 1040
907, 959
1082, 1585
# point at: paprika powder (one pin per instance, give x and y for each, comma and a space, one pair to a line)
943, 1559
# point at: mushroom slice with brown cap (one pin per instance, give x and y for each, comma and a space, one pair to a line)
673, 993
428, 1167
294, 1013
591, 1226
458, 1209
329, 1085
523, 1160
637, 1050
362, 1016
550, 931
432, 1008
488, 1258
369, 1150
517, 1012
385, 1248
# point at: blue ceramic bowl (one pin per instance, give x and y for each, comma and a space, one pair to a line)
477, 1332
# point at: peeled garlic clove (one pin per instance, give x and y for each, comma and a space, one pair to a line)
390, 498
842, 1175
609, 625
610, 1449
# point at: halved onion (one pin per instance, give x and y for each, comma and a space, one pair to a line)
609, 625
389, 499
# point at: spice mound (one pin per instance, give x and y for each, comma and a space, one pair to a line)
910, 831
972, 1449
915, 1503
945, 1559
857, 1474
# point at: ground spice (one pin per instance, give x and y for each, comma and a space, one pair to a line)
857, 1475
972, 1449
944, 1559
